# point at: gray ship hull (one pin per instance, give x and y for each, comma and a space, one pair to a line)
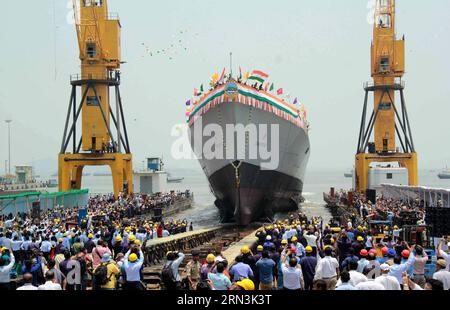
252, 191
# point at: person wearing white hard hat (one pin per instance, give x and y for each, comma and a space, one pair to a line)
390, 283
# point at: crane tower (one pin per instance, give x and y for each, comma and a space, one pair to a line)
389, 122
98, 34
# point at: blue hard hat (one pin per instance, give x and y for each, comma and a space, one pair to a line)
391, 253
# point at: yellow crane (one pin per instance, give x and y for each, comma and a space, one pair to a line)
389, 122
98, 33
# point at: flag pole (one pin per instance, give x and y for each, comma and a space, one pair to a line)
231, 64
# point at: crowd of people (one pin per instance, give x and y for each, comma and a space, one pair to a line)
71, 249
302, 254
298, 253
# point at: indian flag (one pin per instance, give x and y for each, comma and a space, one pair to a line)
258, 76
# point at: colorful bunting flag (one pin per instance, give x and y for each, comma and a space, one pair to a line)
280, 91
258, 76
188, 103
214, 78
271, 87
222, 76
295, 101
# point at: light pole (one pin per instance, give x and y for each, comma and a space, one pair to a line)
9, 121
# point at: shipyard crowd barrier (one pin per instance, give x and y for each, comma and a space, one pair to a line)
22, 203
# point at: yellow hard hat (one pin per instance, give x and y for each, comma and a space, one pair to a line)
247, 284
60, 240
359, 227
332, 240
132, 258
327, 246
131, 237
260, 248
294, 239
395, 227
90, 236
245, 250
284, 242
364, 228
303, 226
118, 238
360, 238
210, 258
309, 249
137, 242
128, 229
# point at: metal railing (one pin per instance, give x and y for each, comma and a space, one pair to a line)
111, 76
370, 84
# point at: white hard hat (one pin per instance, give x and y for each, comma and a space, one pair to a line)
268, 238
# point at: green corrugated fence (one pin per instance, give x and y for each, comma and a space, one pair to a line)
12, 204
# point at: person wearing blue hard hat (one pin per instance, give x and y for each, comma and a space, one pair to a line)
391, 255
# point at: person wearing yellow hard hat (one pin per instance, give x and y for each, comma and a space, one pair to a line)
243, 285
245, 250
132, 265
117, 246
208, 266
300, 249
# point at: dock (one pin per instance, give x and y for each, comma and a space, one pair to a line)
228, 239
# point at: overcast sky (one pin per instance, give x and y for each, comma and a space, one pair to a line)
318, 51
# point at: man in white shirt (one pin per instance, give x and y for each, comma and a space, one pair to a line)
49, 284
442, 253
390, 283
345, 284
292, 274
442, 274
355, 276
328, 269
369, 286
28, 285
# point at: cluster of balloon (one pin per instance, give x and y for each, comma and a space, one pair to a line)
181, 42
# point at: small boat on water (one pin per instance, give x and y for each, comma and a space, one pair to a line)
349, 173
172, 179
444, 174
